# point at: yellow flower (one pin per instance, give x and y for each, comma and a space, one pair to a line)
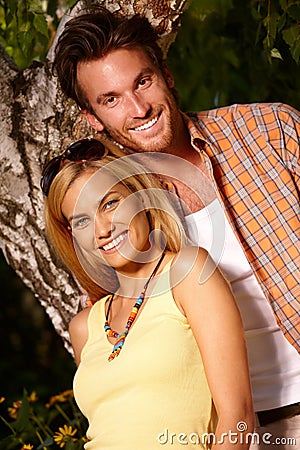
2, 399
27, 447
33, 397
64, 435
14, 409
60, 398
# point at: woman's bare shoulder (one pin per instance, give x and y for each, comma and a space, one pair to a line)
80, 320
189, 262
78, 330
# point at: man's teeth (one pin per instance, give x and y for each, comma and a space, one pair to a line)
147, 125
114, 242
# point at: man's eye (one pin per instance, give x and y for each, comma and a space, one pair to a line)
144, 82
110, 100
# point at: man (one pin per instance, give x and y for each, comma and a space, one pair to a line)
248, 155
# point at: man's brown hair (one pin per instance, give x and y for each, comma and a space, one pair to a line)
91, 36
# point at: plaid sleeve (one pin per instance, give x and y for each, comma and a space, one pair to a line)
280, 124
253, 154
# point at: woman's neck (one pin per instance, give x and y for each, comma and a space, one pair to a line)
132, 283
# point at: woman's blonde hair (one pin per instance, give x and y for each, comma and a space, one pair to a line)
160, 212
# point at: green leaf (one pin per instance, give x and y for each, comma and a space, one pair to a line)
283, 4
281, 21
294, 12
295, 51
270, 23
40, 24
26, 26
290, 35
12, 6
9, 443
23, 415
275, 53
77, 445
203, 8
9, 50
47, 443
26, 42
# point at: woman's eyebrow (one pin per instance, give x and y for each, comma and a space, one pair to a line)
99, 202
75, 217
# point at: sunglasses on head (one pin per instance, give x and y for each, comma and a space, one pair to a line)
83, 150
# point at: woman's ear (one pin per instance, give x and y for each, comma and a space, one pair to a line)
92, 120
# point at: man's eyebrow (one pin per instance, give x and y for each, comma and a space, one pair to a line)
101, 97
141, 74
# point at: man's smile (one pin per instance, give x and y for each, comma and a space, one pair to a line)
147, 125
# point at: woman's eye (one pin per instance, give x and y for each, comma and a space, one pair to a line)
80, 223
110, 204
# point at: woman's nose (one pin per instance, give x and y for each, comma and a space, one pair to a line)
103, 227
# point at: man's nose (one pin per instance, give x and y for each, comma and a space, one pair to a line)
137, 106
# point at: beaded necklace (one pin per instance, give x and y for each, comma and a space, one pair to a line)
122, 336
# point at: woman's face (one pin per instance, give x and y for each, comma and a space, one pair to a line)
106, 219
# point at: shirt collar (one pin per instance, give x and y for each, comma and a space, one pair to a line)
198, 140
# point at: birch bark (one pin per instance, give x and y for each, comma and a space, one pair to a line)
38, 122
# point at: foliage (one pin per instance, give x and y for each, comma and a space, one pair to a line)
278, 18
32, 425
31, 353
27, 28
228, 51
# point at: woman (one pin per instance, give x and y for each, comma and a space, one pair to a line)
161, 358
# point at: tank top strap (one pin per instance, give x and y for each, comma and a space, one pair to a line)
163, 283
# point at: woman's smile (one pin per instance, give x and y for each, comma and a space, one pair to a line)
107, 218
115, 243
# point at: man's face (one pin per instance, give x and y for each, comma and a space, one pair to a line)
131, 100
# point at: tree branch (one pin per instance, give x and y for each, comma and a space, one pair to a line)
37, 122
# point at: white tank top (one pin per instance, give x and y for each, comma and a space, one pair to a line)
274, 363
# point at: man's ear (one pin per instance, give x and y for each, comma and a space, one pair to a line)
168, 77
92, 120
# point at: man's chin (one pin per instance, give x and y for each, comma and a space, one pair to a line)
151, 145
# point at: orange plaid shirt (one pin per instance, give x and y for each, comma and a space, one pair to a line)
252, 154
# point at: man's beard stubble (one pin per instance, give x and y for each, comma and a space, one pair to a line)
164, 144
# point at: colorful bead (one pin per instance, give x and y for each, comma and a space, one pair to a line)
122, 336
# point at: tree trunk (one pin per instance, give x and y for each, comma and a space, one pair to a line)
37, 122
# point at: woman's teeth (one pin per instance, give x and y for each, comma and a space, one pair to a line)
114, 242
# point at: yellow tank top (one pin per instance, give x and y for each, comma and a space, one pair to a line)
154, 395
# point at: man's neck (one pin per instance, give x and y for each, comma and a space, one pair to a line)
183, 148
